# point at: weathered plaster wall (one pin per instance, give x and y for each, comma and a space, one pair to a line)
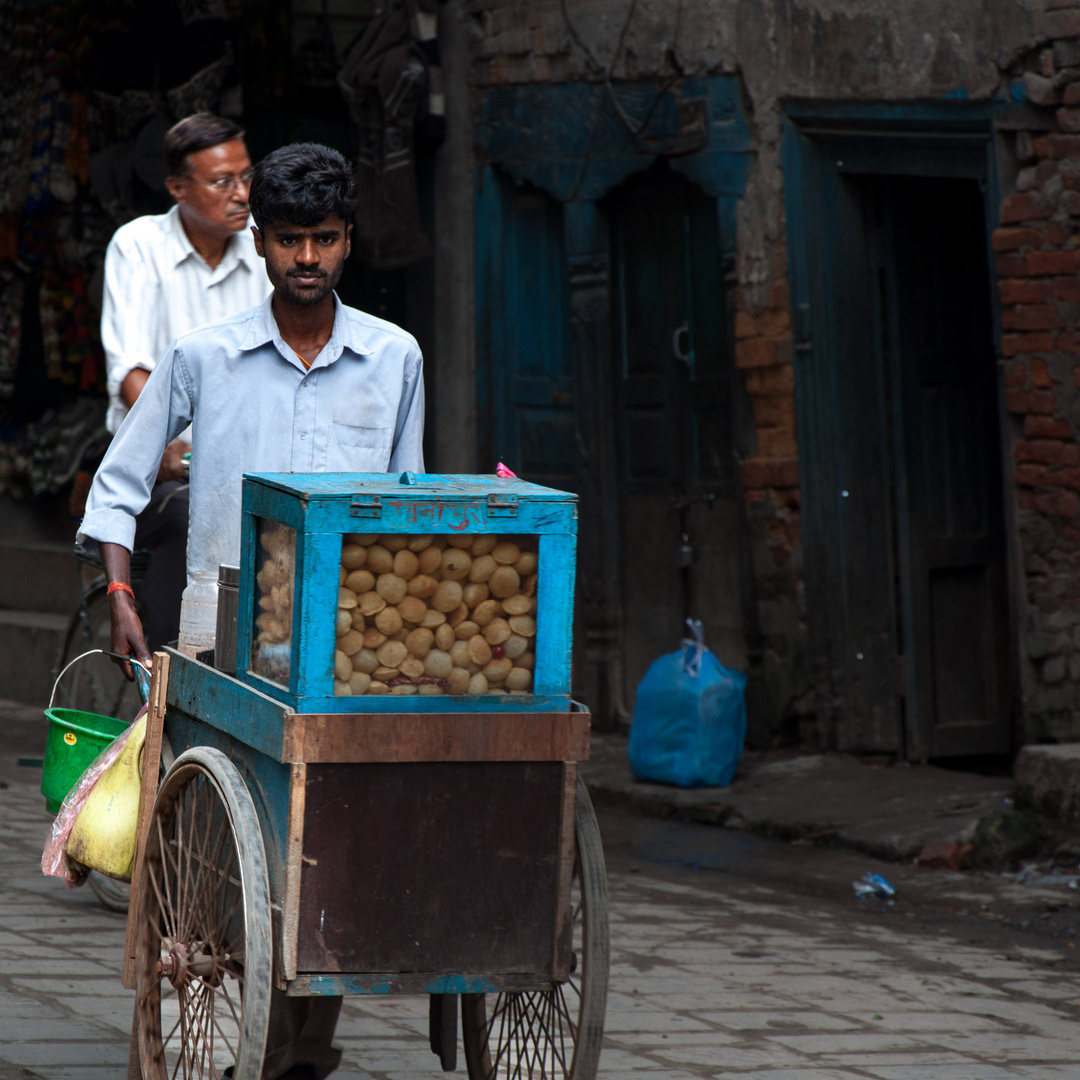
780, 50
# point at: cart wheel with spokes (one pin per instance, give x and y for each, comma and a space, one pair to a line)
552, 1034
204, 954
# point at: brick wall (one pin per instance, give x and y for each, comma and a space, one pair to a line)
874, 50
770, 483
519, 44
1038, 262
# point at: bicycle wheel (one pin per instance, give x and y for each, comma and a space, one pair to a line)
112, 894
95, 684
204, 953
552, 1034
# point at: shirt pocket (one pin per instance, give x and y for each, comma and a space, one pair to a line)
351, 448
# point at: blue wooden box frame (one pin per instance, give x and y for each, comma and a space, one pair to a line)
273, 747
320, 507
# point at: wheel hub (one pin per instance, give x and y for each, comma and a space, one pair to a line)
173, 964
180, 963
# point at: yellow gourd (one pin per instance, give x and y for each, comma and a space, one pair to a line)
103, 836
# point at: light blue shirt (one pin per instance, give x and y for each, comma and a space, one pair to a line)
253, 407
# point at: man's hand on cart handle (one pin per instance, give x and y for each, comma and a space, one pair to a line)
172, 461
127, 632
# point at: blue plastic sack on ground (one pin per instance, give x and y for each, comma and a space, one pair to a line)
689, 718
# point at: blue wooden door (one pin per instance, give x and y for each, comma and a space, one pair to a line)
672, 381
658, 530
899, 435
526, 376
950, 514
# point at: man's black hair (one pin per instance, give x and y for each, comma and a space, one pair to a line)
302, 184
195, 133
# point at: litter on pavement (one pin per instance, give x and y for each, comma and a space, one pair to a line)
873, 885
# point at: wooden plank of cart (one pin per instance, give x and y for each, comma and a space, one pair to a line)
343, 817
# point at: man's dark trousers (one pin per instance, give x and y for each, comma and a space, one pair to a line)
161, 529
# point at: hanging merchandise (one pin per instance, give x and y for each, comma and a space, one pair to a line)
42, 457
62, 185
689, 718
96, 829
36, 230
17, 120
60, 440
75, 163
48, 306
12, 294
103, 836
202, 92
385, 82
77, 151
82, 364
424, 21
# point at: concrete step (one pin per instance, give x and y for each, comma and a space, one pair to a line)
833, 799
39, 575
1050, 776
30, 642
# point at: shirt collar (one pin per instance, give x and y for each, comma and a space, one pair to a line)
180, 246
236, 251
263, 330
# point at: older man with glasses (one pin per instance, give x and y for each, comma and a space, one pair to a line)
167, 274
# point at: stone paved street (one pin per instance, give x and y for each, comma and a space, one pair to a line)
718, 968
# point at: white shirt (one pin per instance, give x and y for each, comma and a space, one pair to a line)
253, 407
157, 287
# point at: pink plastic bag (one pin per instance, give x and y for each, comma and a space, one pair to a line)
54, 862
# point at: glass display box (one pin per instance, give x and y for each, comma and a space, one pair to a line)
374, 592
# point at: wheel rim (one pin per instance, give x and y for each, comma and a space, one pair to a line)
114, 895
193, 970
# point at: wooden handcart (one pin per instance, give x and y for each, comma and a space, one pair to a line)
315, 843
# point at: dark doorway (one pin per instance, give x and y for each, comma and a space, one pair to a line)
935, 310
672, 385
900, 434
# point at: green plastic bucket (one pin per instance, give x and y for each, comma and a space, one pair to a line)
75, 739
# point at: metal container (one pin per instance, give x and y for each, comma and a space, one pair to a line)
228, 607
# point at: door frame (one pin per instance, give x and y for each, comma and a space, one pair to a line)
851, 631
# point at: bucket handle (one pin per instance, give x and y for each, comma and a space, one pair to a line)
91, 652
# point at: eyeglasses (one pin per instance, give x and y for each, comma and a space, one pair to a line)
225, 184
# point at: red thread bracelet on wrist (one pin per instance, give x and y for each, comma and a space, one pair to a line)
119, 586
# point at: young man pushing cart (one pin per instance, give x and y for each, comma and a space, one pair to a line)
299, 383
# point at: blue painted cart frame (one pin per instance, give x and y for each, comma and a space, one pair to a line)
278, 751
